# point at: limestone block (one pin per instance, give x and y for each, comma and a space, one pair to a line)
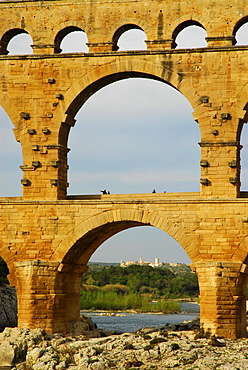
7, 354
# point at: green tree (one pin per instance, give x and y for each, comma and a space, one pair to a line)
90, 280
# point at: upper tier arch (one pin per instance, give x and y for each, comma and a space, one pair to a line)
62, 34
8, 36
239, 24
121, 30
182, 26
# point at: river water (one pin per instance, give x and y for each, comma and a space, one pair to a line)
128, 322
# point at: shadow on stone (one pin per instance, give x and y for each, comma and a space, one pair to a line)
8, 307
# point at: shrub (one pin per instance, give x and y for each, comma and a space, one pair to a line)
118, 288
174, 346
128, 346
157, 340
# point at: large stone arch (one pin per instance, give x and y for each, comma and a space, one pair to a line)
106, 74
81, 242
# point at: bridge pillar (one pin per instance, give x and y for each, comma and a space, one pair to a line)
45, 172
222, 297
70, 276
48, 295
37, 299
220, 169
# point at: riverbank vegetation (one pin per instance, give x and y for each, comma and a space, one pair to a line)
142, 288
113, 301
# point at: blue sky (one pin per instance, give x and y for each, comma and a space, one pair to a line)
132, 136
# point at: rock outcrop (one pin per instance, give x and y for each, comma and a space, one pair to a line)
8, 307
37, 350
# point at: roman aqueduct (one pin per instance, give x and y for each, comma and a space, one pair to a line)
47, 237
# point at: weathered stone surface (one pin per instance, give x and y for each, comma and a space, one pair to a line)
158, 350
8, 307
86, 327
187, 325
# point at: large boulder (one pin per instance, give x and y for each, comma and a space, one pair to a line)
8, 307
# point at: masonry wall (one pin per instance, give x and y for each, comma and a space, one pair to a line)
59, 237
43, 126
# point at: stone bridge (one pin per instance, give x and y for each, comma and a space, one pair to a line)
46, 236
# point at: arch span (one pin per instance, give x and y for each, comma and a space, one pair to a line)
106, 74
81, 242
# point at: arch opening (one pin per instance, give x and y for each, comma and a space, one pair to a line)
240, 32
130, 124
71, 40
129, 37
11, 158
163, 280
130, 265
190, 34
17, 42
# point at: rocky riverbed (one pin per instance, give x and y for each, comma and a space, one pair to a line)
173, 346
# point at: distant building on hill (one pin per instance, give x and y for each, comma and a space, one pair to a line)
147, 263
